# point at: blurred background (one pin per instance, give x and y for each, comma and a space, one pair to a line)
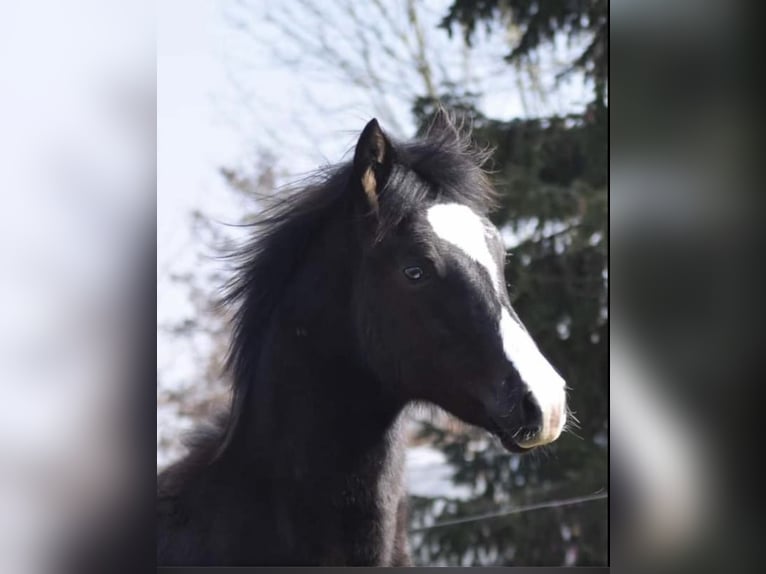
77, 212
253, 95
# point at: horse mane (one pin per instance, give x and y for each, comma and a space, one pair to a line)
442, 166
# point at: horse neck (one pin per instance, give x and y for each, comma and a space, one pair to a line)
313, 405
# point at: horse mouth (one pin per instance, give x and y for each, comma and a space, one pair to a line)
512, 446
507, 439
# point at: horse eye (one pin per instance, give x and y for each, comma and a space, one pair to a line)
413, 273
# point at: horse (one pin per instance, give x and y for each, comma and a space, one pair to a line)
380, 285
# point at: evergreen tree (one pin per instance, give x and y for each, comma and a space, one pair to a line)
552, 177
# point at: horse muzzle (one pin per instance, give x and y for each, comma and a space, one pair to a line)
544, 419
536, 419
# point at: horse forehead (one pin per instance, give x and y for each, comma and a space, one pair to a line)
466, 230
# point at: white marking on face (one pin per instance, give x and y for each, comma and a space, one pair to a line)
542, 380
463, 228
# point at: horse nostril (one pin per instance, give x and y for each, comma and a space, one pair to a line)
531, 414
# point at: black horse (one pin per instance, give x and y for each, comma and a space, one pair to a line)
378, 286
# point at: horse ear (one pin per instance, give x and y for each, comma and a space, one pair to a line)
373, 159
443, 125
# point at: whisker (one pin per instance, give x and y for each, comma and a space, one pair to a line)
572, 418
568, 430
573, 423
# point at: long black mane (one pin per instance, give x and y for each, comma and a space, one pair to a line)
225, 501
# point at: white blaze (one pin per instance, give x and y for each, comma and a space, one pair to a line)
463, 228
460, 226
